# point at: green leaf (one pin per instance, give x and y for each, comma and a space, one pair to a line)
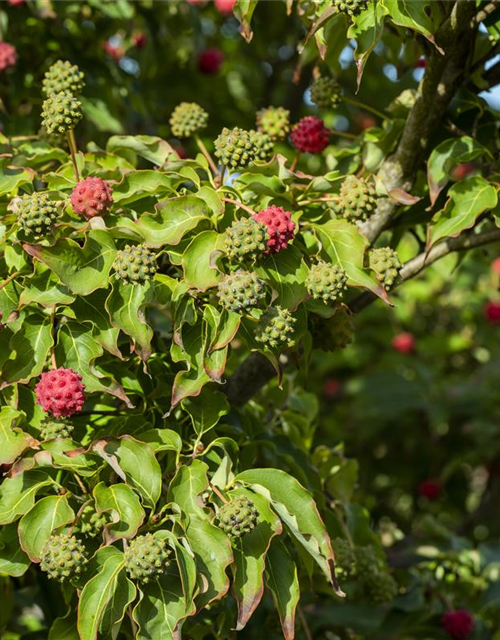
199, 271
296, 507
126, 511
174, 218
77, 348
44, 288
345, 246
17, 494
367, 29
283, 582
125, 306
468, 199
187, 485
13, 561
92, 309
81, 269
29, 346
162, 440
61, 450
150, 148
445, 157
105, 597
97, 112
13, 440
37, 525
138, 184
413, 14
190, 381
206, 409
286, 274
140, 466
64, 628
250, 558
11, 178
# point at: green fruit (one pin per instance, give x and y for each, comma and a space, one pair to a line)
57, 140
326, 93
275, 328
274, 121
238, 517
187, 119
91, 522
36, 213
380, 587
245, 239
368, 562
61, 112
330, 334
263, 146
236, 148
135, 265
358, 199
63, 76
351, 7
57, 428
63, 557
241, 291
147, 558
345, 558
326, 281
386, 264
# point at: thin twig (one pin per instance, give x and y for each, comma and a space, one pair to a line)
207, 155
240, 205
364, 106
295, 161
9, 279
218, 493
73, 150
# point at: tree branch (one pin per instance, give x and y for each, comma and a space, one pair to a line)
255, 372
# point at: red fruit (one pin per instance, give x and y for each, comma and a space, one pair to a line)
279, 225
495, 265
224, 6
492, 312
60, 392
92, 197
210, 60
458, 624
331, 388
310, 135
462, 170
8, 55
421, 63
404, 342
430, 489
365, 121
13, 3
112, 50
139, 40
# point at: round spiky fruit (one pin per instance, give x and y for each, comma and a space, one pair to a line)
358, 198
63, 76
146, 558
238, 517
326, 93
310, 135
91, 522
274, 121
351, 7
61, 112
326, 281
54, 139
52, 429
8, 55
263, 146
330, 334
63, 557
345, 558
245, 239
279, 226
187, 119
367, 561
60, 392
36, 213
380, 587
386, 264
92, 197
135, 265
458, 624
235, 148
241, 291
275, 328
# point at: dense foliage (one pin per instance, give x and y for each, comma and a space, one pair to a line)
225, 406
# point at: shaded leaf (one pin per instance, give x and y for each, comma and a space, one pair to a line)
13, 440
17, 494
13, 561
283, 582
37, 525
125, 509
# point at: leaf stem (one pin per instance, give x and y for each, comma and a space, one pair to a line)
240, 205
207, 155
295, 161
218, 493
70, 135
364, 106
9, 279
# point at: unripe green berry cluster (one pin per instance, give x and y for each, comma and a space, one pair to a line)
63, 557
91, 522
326, 93
275, 328
135, 265
326, 281
274, 122
386, 264
345, 558
61, 112
36, 213
187, 119
238, 517
330, 334
236, 148
63, 76
245, 239
358, 199
51, 429
241, 291
351, 7
146, 558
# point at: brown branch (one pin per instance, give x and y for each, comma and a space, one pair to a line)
255, 372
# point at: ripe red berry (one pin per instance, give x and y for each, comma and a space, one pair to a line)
421, 63
331, 388
492, 312
430, 489
224, 6
210, 60
13, 3
92, 197
8, 55
462, 170
60, 392
279, 225
310, 135
458, 624
495, 265
114, 51
404, 342
139, 40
